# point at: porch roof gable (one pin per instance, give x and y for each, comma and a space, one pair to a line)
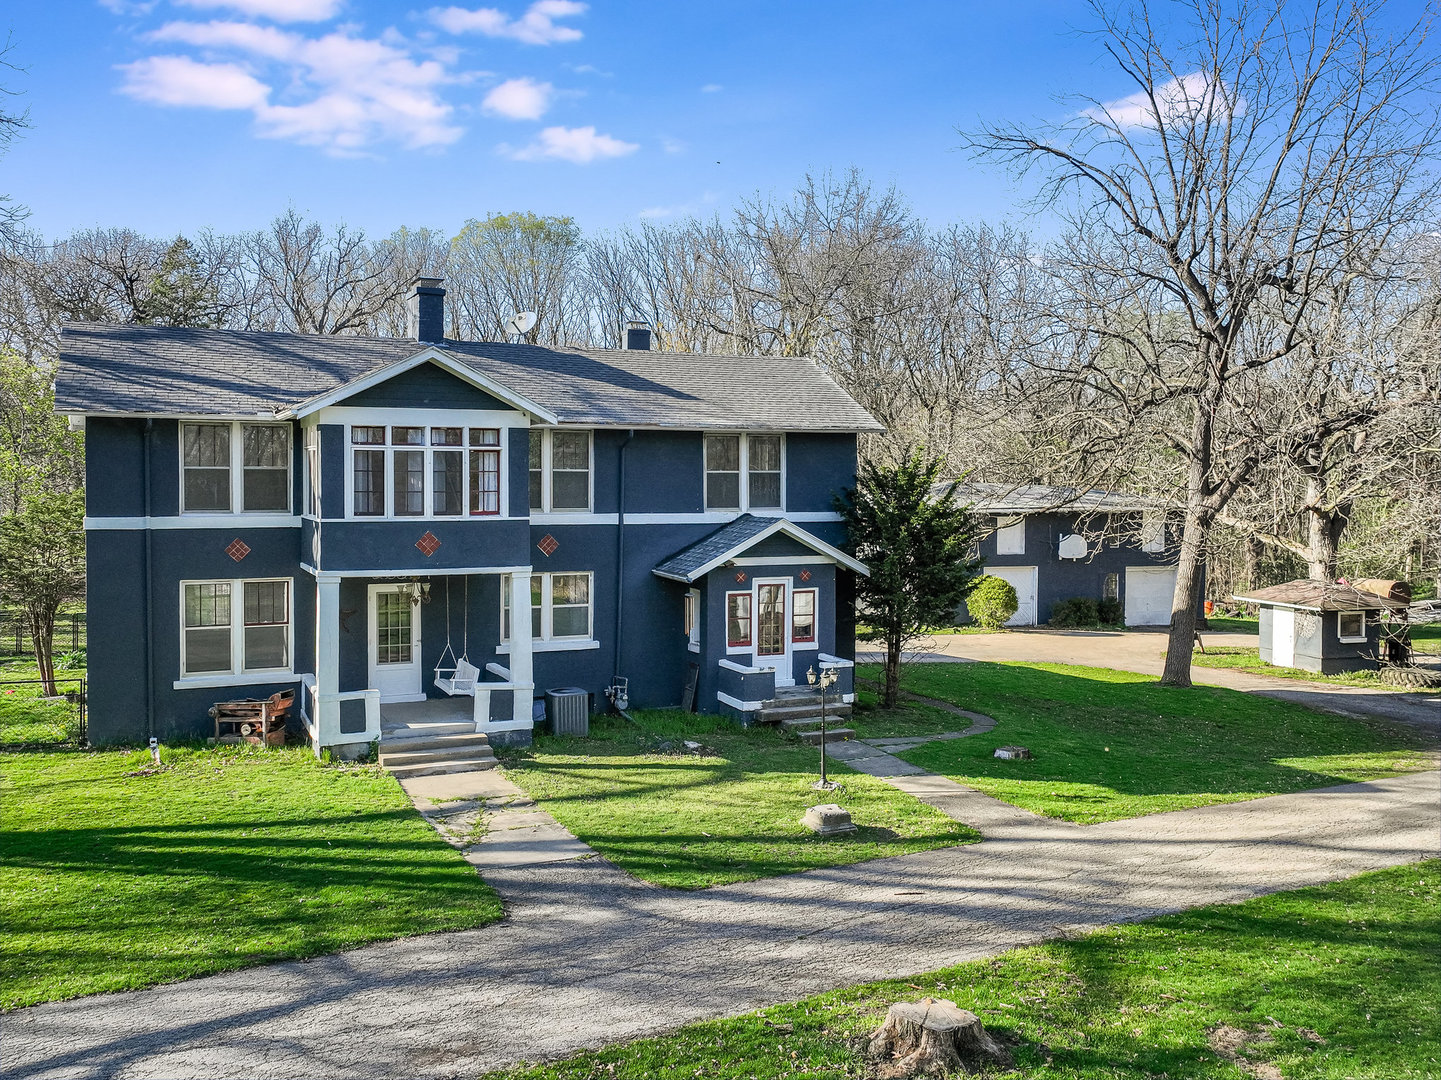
730, 540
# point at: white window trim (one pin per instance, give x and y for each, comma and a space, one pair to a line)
1153, 532
388, 482
693, 639
745, 473
237, 675
548, 641
237, 467
815, 641
1004, 526
547, 474
1351, 639
310, 496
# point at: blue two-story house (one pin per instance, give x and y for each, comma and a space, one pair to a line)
377, 520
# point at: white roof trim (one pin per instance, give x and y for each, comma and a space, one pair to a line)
780, 525
428, 355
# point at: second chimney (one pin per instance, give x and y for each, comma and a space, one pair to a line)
425, 311
637, 335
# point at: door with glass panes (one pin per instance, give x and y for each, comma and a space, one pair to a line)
395, 643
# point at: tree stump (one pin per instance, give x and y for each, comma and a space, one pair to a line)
933, 1038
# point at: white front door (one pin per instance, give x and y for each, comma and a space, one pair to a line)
1149, 594
1283, 637
1023, 580
394, 644
773, 628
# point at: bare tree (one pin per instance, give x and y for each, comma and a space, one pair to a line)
1265, 157
509, 263
12, 122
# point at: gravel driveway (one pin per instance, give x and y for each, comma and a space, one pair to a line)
588, 955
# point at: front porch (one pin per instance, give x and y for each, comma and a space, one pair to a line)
394, 652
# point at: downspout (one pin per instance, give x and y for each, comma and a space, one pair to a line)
149, 668
620, 551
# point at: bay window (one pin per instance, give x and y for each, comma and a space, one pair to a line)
230, 467
744, 472
235, 627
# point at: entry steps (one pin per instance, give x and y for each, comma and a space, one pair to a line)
799, 712
429, 748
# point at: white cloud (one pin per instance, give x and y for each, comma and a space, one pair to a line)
536, 27
279, 10
178, 80
336, 91
1177, 101
709, 198
672, 146
519, 99
579, 145
712, 88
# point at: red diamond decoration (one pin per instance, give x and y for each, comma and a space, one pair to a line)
237, 549
428, 544
805, 575
741, 577
548, 545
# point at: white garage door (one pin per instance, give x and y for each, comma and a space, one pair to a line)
1023, 580
1149, 590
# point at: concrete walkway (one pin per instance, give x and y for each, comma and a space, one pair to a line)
1144, 652
589, 955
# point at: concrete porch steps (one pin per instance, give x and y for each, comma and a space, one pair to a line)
782, 709
812, 736
432, 748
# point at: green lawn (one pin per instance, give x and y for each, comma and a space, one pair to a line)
111, 878
1328, 983
729, 811
1111, 744
1242, 659
28, 718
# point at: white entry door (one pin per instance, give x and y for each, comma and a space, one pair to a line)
1023, 580
1283, 637
394, 644
1149, 593
773, 628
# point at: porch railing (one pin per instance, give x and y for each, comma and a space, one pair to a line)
326, 714
522, 694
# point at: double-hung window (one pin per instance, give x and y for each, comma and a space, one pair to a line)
692, 619
803, 616
738, 620
560, 463
235, 467
417, 471
235, 627
561, 607
744, 472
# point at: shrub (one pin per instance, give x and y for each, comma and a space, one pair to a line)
1077, 611
1111, 612
992, 602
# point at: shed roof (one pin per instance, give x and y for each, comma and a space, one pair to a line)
694, 562
994, 498
1317, 596
111, 368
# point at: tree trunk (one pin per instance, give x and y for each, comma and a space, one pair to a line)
933, 1038
1324, 527
1189, 568
892, 694
1251, 565
42, 635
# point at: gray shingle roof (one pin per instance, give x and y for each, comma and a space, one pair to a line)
1319, 596
109, 368
1037, 498
734, 537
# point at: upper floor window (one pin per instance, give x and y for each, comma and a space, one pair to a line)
417, 471
232, 466
1153, 532
1010, 536
744, 472
559, 470
312, 471
234, 627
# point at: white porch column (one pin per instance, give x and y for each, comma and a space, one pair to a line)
327, 657
522, 669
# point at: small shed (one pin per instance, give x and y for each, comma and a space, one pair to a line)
1323, 626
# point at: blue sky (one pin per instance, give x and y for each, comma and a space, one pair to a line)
172, 115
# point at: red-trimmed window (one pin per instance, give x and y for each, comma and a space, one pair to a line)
738, 620
803, 615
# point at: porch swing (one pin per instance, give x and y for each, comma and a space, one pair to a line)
461, 676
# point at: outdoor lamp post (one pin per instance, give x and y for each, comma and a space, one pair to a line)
823, 680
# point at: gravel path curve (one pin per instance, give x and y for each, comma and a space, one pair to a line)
589, 955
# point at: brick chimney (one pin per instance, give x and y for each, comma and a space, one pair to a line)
637, 335
425, 311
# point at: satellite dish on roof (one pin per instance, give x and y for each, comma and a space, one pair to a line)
520, 322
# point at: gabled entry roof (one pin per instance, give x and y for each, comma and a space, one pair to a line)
738, 536
1308, 595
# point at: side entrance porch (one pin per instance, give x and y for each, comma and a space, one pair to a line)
387, 641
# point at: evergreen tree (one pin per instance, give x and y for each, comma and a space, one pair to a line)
917, 540
179, 293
